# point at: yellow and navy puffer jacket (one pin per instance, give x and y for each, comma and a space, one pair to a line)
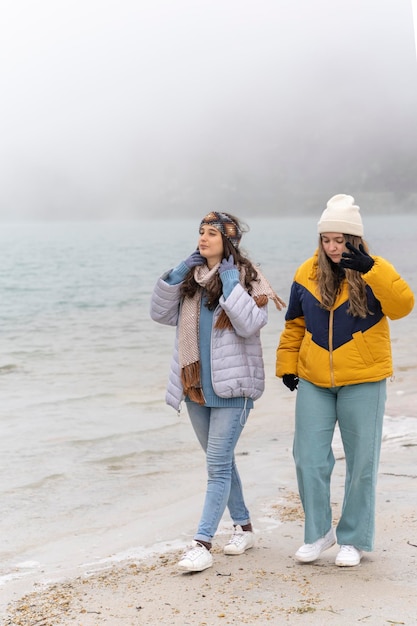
333, 348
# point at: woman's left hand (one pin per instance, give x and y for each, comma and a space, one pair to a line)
358, 260
227, 264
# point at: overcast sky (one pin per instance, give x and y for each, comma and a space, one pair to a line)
129, 108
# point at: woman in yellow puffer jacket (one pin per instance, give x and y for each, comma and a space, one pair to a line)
335, 350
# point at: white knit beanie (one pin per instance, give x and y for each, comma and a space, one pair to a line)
341, 215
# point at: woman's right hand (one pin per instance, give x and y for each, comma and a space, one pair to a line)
194, 259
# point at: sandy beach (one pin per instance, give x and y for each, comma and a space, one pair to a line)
265, 585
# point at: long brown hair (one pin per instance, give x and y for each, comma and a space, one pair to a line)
329, 278
214, 287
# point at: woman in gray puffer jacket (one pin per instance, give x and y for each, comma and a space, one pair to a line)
217, 300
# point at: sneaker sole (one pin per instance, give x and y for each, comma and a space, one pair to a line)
302, 559
345, 564
184, 568
236, 553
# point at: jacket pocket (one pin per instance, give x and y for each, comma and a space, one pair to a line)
363, 349
303, 354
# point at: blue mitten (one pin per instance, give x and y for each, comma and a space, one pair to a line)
227, 264
194, 259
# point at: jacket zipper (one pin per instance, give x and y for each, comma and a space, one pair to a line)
331, 347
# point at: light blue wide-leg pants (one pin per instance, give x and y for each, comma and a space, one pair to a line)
359, 411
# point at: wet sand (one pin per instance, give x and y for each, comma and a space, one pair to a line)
265, 585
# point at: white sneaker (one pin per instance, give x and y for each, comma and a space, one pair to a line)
311, 551
240, 541
348, 556
196, 560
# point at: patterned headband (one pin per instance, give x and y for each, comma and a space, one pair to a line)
225, 225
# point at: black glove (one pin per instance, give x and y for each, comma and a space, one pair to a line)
358, 260
290, 381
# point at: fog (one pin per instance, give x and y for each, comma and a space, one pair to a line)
147, 108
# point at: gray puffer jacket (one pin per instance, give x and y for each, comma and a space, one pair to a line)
236, 356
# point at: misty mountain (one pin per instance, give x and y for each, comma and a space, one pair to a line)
158, 108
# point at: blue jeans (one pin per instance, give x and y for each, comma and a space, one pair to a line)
359, 410
218, 431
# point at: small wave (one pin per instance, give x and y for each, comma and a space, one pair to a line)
8, 368
116, 462
18, 571
147, 431
137, 458
39, 483
138, 553
74, 399
400, 431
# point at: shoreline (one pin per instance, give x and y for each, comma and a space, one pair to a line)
266, 582
261, 586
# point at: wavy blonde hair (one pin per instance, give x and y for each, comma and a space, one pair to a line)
329, 281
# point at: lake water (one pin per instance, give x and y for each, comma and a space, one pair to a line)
88, 449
